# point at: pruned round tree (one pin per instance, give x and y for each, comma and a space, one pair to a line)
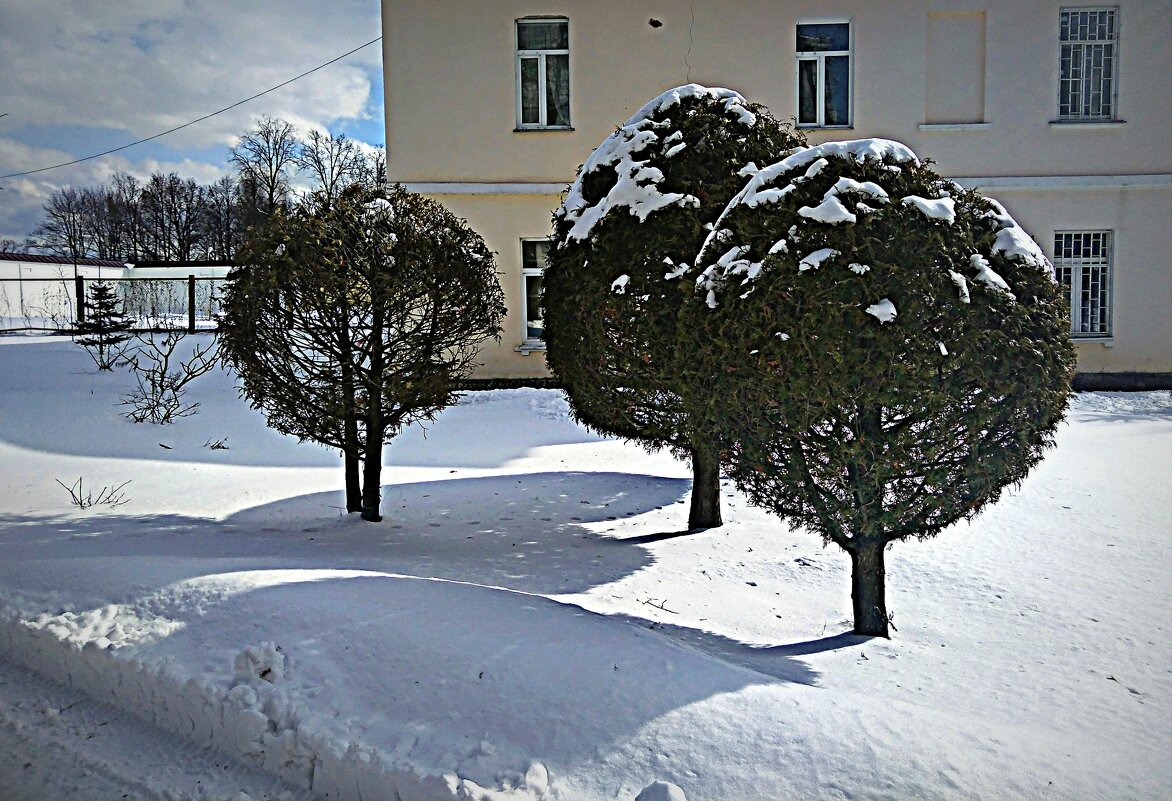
892, 350
353, 318
628, 229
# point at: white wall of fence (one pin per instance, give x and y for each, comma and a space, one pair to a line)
43, 296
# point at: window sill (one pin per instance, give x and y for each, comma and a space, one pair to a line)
1090, 339
811, 127
525, 348
547, 129
1087, 124
954, 126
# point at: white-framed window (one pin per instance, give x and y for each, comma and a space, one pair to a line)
1089, 62
532, 269
824, 74
543, 73
1082, 260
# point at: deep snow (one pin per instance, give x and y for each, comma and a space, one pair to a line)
529, 622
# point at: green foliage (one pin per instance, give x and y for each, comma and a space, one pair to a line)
105, 328
868, 431
617, 348
355, 317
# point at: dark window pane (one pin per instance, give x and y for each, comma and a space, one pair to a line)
530, 110
808, 92
534, 325
533, 254
837, 90
543, 36
815, 38
557, 90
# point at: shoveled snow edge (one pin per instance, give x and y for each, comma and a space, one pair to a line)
239, 724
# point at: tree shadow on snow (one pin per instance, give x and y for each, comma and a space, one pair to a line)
525, 532
776, 661
55, 399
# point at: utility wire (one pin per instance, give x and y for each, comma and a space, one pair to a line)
193, 122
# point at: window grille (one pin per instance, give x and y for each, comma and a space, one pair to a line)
1089, 61
1082, 260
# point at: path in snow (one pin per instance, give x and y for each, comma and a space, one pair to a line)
58, 744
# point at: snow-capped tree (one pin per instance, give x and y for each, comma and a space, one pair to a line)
355, 317
630, 224
892, 350
105, 329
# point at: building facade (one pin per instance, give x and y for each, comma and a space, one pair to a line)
1061, 112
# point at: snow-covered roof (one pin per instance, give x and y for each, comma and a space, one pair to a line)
39, 258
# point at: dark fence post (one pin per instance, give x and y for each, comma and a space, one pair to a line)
79, 289
191, 304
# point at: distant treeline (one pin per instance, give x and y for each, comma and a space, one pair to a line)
169, 218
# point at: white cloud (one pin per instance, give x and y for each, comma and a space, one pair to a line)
139, 67
145, 66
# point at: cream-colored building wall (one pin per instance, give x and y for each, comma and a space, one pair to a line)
450, 88
450, 81
503, 221
1141, 284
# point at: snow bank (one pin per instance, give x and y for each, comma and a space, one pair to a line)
251, 720
245, 612
520, 671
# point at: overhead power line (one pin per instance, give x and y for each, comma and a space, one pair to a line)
193, 122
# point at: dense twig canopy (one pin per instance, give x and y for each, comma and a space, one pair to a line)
376, 294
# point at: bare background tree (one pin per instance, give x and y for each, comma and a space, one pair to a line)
167, 217
332, 163
264, 157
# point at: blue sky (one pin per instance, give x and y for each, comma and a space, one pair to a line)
83, 78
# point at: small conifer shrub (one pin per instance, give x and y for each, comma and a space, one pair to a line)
105, 329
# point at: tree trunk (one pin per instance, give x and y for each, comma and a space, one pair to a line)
705, 509
351, 447
353, 483
372, 467
868, 592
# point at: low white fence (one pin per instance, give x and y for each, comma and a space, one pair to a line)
53, 297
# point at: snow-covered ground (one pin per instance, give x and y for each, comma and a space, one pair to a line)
530, 622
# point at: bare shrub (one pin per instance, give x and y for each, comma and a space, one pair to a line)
163, 377
112, 496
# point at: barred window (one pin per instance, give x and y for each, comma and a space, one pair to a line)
1089, 68
1083, 263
